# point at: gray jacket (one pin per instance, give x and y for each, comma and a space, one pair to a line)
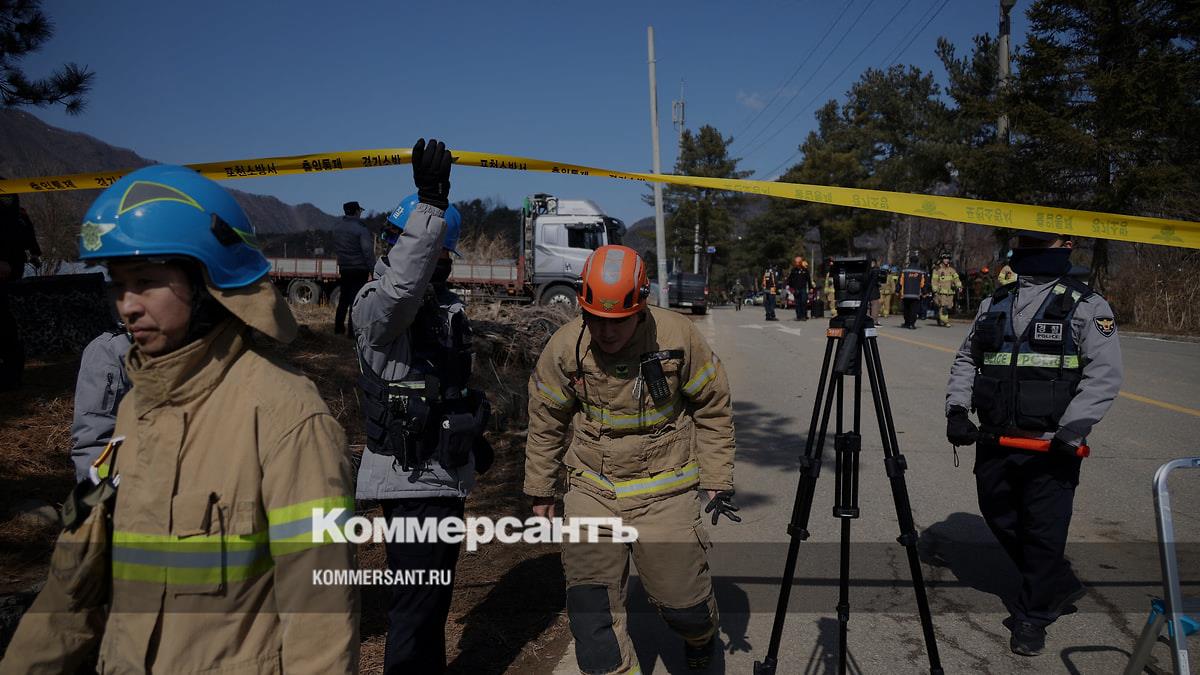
383, 313
1101, 354
101, 384
353, 244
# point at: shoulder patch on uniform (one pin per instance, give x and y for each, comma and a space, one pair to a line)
1106, 325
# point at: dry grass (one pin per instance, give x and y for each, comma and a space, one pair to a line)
1157, 291
35, 445
486, 248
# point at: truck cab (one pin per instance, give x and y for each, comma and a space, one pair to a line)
558, 236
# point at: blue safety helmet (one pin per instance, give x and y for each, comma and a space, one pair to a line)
399, 218
172, 211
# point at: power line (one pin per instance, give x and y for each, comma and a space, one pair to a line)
892, 55
918, 33
813, 74
799, 67
897, 58
833, 81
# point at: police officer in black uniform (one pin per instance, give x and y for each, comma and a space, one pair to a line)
1041, 363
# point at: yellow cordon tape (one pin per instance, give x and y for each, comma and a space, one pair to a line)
1139, 229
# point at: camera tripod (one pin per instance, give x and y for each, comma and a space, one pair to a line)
853, 339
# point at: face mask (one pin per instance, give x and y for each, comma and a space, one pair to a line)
1041, 262
441, 270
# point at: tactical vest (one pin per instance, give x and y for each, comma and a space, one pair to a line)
430, 413
912, 283
1027, 381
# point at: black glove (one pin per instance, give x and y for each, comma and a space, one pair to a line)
431, 172
483, 453
722, 504
960, 430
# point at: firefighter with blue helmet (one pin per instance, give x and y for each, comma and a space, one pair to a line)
190, 547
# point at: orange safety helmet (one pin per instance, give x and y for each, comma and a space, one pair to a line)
614, 283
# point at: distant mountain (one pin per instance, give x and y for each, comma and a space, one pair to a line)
30, 147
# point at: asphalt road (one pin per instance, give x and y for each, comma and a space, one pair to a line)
774, 368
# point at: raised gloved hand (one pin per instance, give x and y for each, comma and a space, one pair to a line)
960, 430
431, 172
722, 504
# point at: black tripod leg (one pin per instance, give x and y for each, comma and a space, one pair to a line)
810, 469
896, 465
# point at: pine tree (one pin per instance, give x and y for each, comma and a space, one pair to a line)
24, 29
890, 133
703, 153
1103, 111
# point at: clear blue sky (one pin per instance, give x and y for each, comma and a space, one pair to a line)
197, 82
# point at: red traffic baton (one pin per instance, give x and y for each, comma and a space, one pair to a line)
1037, 445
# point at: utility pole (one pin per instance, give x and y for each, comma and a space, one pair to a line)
1005, 67
660, 234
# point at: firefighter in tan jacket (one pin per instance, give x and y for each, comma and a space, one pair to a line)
649, 405
218, 460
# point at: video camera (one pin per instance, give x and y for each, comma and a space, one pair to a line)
852, 279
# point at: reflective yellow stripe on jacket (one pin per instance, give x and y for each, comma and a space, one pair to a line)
291, 526
701, 378
685, 476
551, 394
1030, 359
217, 558
650, 417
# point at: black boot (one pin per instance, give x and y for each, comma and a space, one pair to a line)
1027, 639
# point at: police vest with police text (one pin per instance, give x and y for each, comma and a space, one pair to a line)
1027, 381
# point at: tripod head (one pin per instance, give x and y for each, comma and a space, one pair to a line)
853, 281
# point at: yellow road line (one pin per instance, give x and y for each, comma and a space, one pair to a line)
1133, 397
919, 343
1161, 404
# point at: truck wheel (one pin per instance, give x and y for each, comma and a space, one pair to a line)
304, 292
334, 296
699, 310
559, 294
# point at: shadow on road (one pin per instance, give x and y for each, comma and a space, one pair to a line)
496, 630
653, 640
963, 544
766, 439
1117, 657
824, 656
